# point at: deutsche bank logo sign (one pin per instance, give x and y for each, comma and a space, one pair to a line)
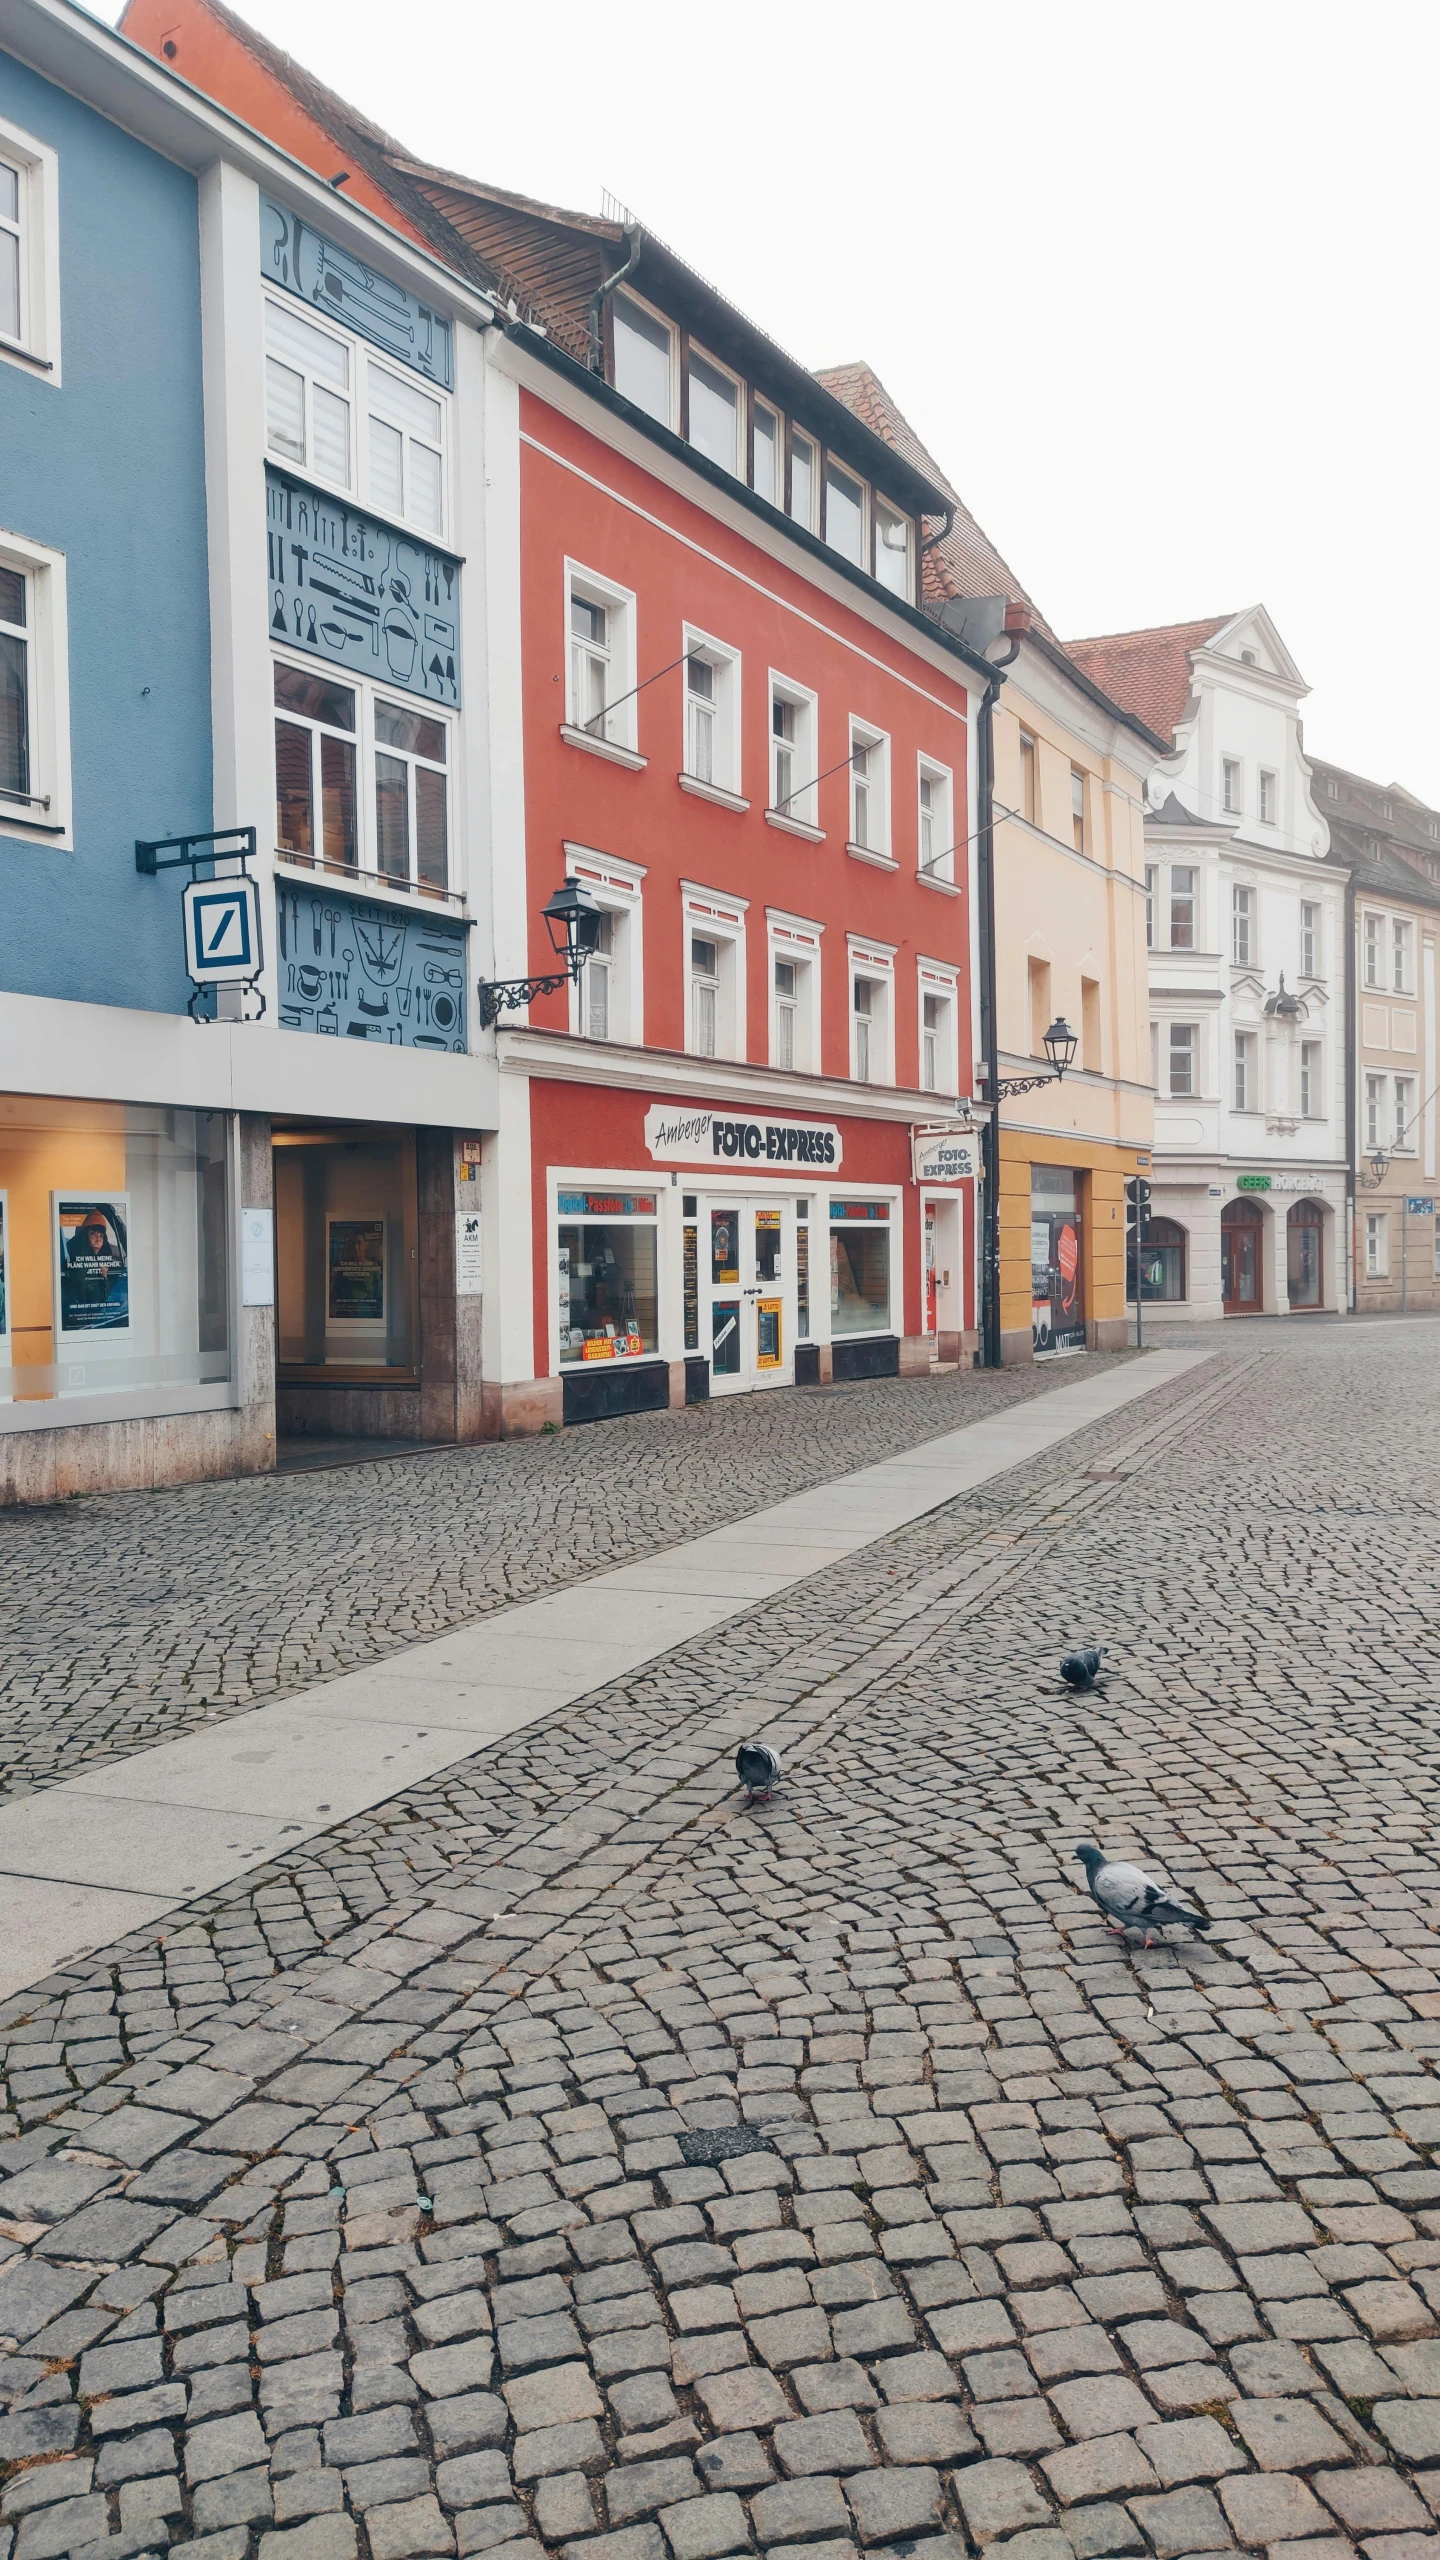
222, 931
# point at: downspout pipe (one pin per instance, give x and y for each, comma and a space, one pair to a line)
989, 1019
633, 243
1352, 1098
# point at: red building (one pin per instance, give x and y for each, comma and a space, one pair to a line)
733, 1153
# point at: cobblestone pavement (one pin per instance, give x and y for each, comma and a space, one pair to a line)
127, 1619
566, 2160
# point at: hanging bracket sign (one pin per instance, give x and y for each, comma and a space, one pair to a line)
675, 1135
944, 1155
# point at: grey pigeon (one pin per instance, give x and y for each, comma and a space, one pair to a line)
1081, 1669
757, 1767
1130, 1899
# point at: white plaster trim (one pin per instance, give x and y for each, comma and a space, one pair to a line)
794, 826
604, 747
711, 791
877, 861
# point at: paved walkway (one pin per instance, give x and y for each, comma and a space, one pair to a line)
558, 2159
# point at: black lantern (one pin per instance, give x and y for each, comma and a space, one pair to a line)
573, 918
1060, 1045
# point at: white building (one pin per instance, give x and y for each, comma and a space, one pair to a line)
1246, 927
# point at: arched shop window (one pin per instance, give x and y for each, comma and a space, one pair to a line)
1163, 1262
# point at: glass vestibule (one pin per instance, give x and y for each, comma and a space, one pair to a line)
114, 1254
347, 1255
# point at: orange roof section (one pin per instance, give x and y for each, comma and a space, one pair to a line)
1147, 672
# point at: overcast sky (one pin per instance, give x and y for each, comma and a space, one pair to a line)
1156, 283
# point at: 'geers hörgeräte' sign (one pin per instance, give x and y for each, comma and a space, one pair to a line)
677, 1136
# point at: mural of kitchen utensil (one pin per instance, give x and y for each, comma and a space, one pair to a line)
353, 590
357, 970
317, 271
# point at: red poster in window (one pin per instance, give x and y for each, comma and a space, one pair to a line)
1067, 1259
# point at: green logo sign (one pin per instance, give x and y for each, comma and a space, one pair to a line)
1252, 1181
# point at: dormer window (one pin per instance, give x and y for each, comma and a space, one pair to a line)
845, 514
644, 359
714, 413
802, 481
768, 474
892, 549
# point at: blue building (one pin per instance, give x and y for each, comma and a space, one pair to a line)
241, 435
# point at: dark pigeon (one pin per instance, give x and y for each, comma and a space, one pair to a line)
1081, 1669
1132, 1900
757, 1767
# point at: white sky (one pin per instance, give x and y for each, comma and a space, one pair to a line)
1155, 282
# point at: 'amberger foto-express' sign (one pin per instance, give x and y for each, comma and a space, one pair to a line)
717, 1137
944, 1156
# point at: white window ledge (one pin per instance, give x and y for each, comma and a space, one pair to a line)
712, 791
794, 826
867, 853
947, 888
605, 747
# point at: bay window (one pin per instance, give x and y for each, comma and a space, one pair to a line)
334, 411
361, 782
315, 811
406, 466
410, 796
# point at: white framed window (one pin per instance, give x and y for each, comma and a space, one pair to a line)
29, 253
1374, 1107
645, 358
1152, 880
939, 1070
715, 399
335, 412
1377, 1236
1312, 1091
937, 821
1246, 1096
1242, 926
845, 512
712, 712
767, 454
1309, 938
608, 1003
894, 541
869, 789
714, 972
1155, 1056
872, 1013
1372, 938
362, 781
792, 752
794, 993
600, 631
1401, 977
1029, 795
1269, 798
34, 693
1230, 786
1183, 1043
1404, 1114
1077, 808
804, 479
1184, 881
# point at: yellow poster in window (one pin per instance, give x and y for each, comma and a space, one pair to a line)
769, 1343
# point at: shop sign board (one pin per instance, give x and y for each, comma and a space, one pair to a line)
222, 930
1419, 1208
1252, 1181
674, 1135
944, 1155
257, 1257
469, 1281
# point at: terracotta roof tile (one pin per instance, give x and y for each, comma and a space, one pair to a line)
1147, 672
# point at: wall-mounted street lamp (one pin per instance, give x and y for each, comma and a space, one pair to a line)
573, 919
1379, 1167
1059, 1045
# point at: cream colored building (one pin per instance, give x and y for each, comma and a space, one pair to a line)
1069, 869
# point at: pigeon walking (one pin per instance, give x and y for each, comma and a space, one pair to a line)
1081, 1669
1132, 1900
757, 1767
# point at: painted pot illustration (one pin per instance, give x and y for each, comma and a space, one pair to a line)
400, 646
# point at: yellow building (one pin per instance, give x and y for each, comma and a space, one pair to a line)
1069, 890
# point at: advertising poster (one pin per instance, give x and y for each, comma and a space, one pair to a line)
1057, 1314
355, 1271
92, 1264
4, 1279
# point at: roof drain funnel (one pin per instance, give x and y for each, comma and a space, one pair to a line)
634, 242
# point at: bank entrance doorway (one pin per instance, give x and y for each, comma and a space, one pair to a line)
748, 1287
1240, 1275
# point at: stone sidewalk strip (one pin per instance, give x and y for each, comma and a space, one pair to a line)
187, 1816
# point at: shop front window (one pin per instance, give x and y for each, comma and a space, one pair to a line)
607, 1275
346, 1252
859, 1266
1162, 1262
1057, 1278
114, 1254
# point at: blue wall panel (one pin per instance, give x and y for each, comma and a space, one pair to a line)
110, 469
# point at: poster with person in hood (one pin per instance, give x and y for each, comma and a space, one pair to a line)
92, 1245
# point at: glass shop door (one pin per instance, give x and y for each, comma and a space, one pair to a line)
749, 1250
